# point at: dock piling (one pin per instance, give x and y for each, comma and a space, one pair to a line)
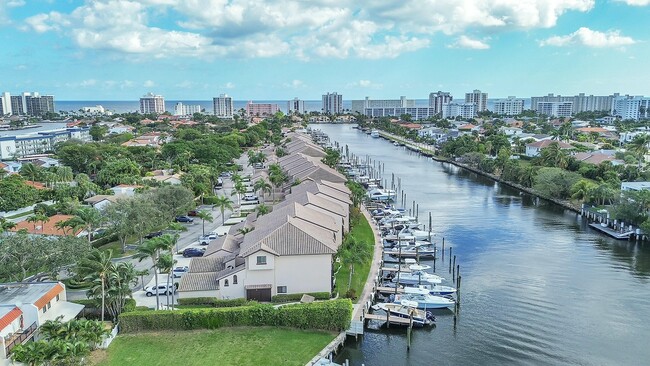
443, 250
450, 259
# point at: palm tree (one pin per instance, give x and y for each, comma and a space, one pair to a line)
150, 249
582, 189
263, 209
30, 171
38, 218
639, 146
97, 265
141, 274
62, 225
89, 218
262, 186
277, 176
64, 173
204, 215
554, 155
6, 225
223, 203
166, 265
238, 190
245, 230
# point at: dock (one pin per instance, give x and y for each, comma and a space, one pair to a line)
611, 232
388, 318
389, 290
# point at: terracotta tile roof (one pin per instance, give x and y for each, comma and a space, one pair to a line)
45, 228
57, 289
36, 185
9, 317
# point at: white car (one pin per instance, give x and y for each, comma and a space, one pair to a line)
250, 197
180, 271
161, 290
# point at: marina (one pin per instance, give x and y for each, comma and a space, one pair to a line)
532, 273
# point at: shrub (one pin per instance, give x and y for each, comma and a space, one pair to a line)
210, 200
104, 240
280, 298
332, 315
214, 302
351, 294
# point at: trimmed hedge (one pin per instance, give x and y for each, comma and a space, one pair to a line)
280, 298
109, 238
214, 302
331, 315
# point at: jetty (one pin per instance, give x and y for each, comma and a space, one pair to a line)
620, 235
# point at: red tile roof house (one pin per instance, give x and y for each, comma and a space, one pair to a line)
26, 306
47, 227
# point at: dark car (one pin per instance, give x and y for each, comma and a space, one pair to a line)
184, 219
193, 252
192, 213
153, 235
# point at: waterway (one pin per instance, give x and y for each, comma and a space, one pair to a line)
539, 286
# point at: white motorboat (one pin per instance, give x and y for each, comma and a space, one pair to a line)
374, 133
425, 301
407, 310
431, 289
412, 251
379, 194
417, 278
410, 265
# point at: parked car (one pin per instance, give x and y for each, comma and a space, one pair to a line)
225, 175
193, 252
179, 271
184, 219
258, 165
161, 290
250, 197
153, 235
192, 213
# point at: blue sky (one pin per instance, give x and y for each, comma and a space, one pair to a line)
250, 49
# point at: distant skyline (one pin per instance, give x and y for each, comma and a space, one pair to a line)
281, 49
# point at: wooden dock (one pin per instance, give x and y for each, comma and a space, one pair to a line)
390, 290
611, 232
388, 318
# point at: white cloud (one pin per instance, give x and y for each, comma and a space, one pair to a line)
364, 84
295, 84
229, 85
369, 29
590, 38
636, 2
5, 5
149, 84
466, 42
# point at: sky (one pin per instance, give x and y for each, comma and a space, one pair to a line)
280, 49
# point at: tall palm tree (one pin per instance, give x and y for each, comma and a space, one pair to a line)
204, 215
639, 146
30, 171
554, 155
97, 265
262, 186
166, 265
141, 274
239, 189
150, 249
64, 173
90, 218
223, 203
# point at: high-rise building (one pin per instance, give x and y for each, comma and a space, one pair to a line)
150, 103
17, 105
437, 100
509, 107
478, 98
462, 110
332, 103
361, 105
38, 105
181, 109
296, 106
555, 109
223, 106
261, 109
629, 107
5, 104
581, 102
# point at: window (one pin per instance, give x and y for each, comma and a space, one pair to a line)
234, 279
282, 289
44, 309
225, 282
49, 305
261, 260
58, 296
217, 284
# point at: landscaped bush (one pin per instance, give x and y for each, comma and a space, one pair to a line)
210, 200
104, 240
280, 298
214, 302
332, 315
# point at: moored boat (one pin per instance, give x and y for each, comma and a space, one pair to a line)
425, 300
407, 310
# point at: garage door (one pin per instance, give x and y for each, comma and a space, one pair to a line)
262, 294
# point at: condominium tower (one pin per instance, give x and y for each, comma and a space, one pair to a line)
332, 103
150, 103
296, 106
509, 107
438, 99
223, 106
478, 98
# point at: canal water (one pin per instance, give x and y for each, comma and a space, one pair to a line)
539, 287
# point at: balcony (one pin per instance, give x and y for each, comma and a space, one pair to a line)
19, 338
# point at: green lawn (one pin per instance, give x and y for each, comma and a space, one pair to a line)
362, 232
223, 347
116, 247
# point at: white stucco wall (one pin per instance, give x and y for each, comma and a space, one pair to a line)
304, 273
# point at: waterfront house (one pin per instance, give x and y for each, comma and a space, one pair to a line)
101, 201
125, 190
26, 306
535, 148
598, 157
47, 227
164, 176
635, 186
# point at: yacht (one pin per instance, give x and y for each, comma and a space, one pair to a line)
417, 278
379, 194
408, 310
374, 133
425, 300
431, 289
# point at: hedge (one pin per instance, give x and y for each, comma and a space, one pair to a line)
331, 315
214, 302
280, 298
109, 238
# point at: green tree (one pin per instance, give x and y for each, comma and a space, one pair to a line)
639, 146
555, 182
223, 203
31, 172
97, 266
554, 156
239, 189
204, 215
262, 186
90, 218
582, 189
263, 209
151, 249
118, 171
